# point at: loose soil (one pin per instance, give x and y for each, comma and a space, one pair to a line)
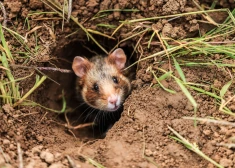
140, 138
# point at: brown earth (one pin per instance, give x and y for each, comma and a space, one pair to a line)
141, 137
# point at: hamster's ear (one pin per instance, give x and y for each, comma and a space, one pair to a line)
118, 57
80, 66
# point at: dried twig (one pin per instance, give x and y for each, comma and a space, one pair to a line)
69, 9
4, 156
77, 127
31, 31
4, 14
228, 145
70, 127
207, 120
20, 156
71, 162
43, 68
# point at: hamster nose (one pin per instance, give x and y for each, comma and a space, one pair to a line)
112, 99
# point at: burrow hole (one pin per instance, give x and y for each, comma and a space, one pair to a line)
65, 82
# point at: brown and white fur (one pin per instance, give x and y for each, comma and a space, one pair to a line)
101, 82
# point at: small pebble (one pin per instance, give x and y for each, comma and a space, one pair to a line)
37, 149
39, 138
47, 156
6, 142
148, 152
11, 147
58, 156
30, 164
12, 154
207, 132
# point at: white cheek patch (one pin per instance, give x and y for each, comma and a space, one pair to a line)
118, 101
84, 92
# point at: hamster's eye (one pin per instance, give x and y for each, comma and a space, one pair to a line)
115, 80
96, 87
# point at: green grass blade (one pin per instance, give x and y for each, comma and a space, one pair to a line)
179, 70
5, 46
225, 88
205, 92
36, 85
187, 94
94, 163
13, 87
165, 75
166, 89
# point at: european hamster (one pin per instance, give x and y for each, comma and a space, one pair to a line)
101, 82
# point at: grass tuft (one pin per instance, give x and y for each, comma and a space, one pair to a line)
9, 91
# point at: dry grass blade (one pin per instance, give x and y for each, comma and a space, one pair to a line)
37, 84
176, 15
119, 27
4, 156
207, 120
101, 34
94, 163
207, 16
2, 67
91, 161
228, 145
193, 147
69, 9
4, 14
71, 162
44, 68
164, 47
31, 31
20, 156
134, 35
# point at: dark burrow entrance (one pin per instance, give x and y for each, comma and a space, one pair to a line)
61, 87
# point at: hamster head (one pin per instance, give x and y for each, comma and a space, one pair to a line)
101, 82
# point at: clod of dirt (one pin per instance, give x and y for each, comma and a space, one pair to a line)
174, 32
226, 162
37, 150
174, 6
47, 156
35, 4
6, 142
